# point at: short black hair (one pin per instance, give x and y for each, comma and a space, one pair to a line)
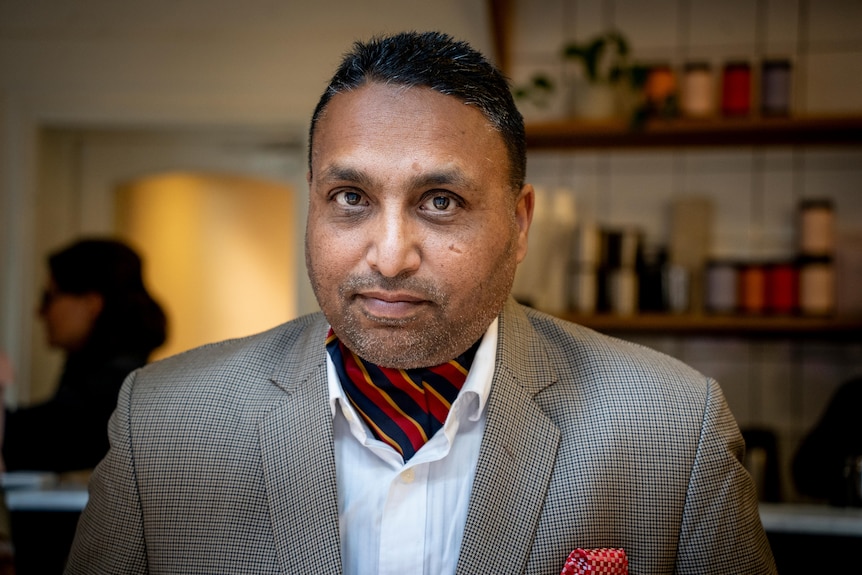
131, 320
437, 61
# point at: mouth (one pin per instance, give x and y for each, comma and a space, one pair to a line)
390, 306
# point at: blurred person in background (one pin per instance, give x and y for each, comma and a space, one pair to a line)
97, 310
823, 467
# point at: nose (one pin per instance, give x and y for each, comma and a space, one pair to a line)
395, 247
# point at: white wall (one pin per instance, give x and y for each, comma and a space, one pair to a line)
210, 61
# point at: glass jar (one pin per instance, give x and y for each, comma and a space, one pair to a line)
775, 87
698, 90
736, 89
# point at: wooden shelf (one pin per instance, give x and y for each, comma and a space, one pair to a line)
719, 132
849, 328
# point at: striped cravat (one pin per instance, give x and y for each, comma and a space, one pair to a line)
402, 407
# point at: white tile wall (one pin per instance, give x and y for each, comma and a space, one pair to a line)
781, 27
779, 384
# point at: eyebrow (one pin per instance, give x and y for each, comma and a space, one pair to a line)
441, 177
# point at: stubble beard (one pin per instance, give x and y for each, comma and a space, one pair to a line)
437, 335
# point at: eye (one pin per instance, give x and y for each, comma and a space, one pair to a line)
439, 203
348, 198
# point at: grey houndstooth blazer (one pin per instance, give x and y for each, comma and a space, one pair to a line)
222, 461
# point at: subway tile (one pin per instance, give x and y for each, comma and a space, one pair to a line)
729, 25
651, 26
843, 159
538, 27
583, 179
587, 18
782, 27
731, 197
726, 178
717, 161
644, 162
773, 381
833, 82
778, 209
833, 21
778, 158
545, 168
642, 200
709, 348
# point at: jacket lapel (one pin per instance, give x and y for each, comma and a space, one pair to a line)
517, 456
296, 440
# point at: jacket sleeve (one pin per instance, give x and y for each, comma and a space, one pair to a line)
721, 530
110, 534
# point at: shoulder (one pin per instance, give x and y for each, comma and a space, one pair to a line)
597, 364
573, 344
247, 358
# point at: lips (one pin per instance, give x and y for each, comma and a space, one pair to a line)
391, 297
385, 305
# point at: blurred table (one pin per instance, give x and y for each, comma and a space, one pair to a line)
43, 514
812, 538
811, 519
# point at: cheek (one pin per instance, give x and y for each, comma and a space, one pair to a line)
56, 316
66, 325
461, 264
80, 321
330, 257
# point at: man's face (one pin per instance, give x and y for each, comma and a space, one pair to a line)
414, 232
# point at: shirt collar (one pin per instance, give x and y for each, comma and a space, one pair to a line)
477, 385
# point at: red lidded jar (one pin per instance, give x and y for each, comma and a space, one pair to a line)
781, 284
736, 89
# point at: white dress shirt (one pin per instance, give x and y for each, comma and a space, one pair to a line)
396, 517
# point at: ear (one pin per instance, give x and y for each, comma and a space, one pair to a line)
523, 217
94, 303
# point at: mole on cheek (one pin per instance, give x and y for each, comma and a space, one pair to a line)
452, 248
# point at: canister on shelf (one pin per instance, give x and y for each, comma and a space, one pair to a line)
752, 288
721, 287
624, 291
651, 268
775, 87
584, 280
781, 288
816, 285
698, 90
678, 286
584, 290
816, 227
736, 89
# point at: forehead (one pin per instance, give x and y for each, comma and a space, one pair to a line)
398, 120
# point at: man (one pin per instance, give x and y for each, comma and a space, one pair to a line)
300, 450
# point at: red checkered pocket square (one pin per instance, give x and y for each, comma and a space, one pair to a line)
599, 561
